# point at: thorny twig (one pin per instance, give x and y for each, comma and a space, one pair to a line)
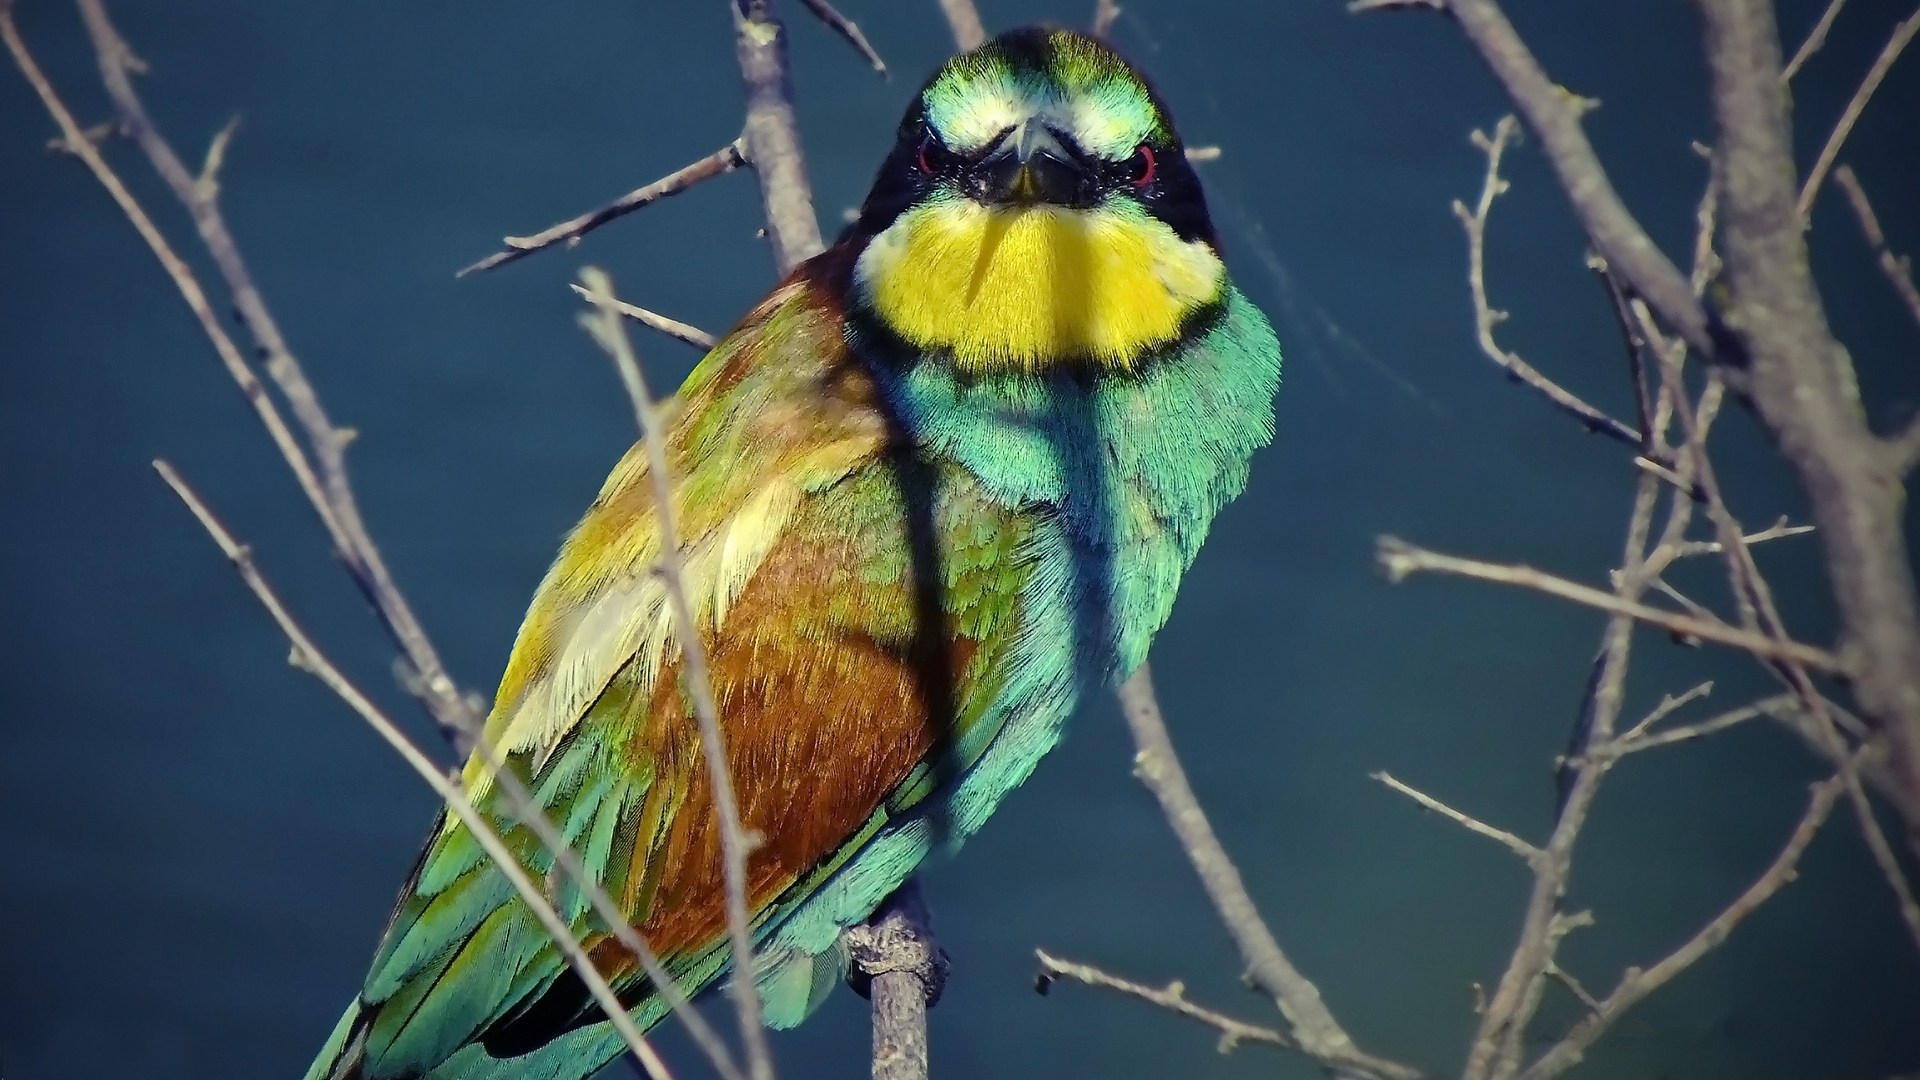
1172, 997
608, 327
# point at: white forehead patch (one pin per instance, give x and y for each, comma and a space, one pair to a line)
1101, 123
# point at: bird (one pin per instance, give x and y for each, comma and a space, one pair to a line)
934, 492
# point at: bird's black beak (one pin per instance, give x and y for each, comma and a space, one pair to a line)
1031, 165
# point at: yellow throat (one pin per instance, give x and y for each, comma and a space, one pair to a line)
1027, 287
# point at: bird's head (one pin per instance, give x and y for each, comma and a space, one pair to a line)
1037, 210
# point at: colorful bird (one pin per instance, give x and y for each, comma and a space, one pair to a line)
934, 492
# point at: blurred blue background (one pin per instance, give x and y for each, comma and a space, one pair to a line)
200, 845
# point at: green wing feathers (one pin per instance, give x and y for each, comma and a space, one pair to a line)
801, 568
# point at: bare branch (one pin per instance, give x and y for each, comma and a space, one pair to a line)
719, 163
1815, 39
1758, 610
1779, 530
1400, 559
310, 659
1104, 13
1553, 115
1485, 317
1902, 34
1897, 268
1172, 997
1634, 743
324, 480
673, 328
964, 20
609, 330
1526, 851
772, 136
848, 31
1318, 1033
1669, 704
1637, 984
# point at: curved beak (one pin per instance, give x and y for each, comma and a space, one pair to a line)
1031, 165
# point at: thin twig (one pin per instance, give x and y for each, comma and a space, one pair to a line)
719, 163
1486, 317
1815, 39
1527, 852
1500, 1039
1897, 268
1320, 1036
1669, 704
1172, 997
1637, 984
1554, 116
1902, 34
1635, 741
848, 31
333, 497
673, 328
608, 328
1567, 980
964, 20
204, 191
1758, 611
1779, 530
310, 659
1400, 559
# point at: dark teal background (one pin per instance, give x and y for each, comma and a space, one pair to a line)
198, 845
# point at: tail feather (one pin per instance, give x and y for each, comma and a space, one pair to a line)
340, 1058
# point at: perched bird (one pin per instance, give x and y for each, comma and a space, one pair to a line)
934, 492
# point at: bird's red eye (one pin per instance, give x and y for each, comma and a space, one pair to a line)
1144, 166
924, 166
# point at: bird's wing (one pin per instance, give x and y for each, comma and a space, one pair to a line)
804, 539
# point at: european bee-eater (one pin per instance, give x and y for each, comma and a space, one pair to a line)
935, 491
